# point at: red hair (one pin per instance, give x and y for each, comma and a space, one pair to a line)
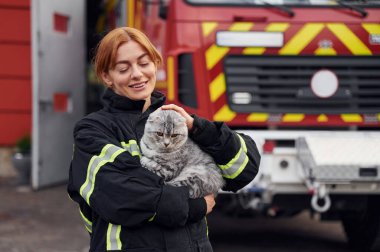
105, 56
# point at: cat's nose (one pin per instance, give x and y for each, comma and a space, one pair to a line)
166, 144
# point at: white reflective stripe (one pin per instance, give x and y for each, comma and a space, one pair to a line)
132, 147
87, 223
237, 164
113, 237
108, 154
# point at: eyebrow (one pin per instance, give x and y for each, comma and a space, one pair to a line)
127, 62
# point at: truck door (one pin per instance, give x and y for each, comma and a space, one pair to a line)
58, 49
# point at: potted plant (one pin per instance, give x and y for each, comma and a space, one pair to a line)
21, 159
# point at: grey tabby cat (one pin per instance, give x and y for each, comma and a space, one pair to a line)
169, 153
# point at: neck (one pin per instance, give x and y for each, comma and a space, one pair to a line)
147, 104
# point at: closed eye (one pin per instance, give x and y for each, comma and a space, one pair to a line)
159, 134
174, 135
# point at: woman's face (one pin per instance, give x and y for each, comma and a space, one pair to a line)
134, 75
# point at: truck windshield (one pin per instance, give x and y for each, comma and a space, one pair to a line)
285, 2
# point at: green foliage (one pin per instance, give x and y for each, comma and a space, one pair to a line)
24, 144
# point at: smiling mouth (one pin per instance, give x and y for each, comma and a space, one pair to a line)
138, 85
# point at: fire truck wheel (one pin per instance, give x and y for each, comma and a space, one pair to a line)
363, 228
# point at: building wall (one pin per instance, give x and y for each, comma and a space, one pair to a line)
15, 71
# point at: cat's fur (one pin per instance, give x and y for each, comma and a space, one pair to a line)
168, 152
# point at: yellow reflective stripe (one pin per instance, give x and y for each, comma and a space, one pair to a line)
351, 118
378, 117
322, 118
302, 38
87, 223
206, 226
217, 87
113, 237
152, 218
325, 51
108, 154
225, 114
293, 117
372, 28
170, 77
237, 164
258, 117
215, 53
349, 39
208, 27
132, 147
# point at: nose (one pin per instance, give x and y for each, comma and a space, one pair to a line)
166, 144
136, 72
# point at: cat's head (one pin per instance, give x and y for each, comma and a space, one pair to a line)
165, 131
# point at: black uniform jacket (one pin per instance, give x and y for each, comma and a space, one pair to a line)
126, 207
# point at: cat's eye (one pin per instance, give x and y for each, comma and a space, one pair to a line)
174, 135
159, 134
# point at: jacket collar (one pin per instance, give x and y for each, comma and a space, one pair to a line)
117, 103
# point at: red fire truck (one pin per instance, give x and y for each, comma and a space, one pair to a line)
302, 78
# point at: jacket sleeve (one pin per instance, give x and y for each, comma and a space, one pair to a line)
108, 177
236, 154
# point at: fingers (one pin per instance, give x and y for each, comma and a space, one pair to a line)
210, 202
181, 111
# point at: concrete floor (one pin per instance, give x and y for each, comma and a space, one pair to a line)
48, 221
43, 221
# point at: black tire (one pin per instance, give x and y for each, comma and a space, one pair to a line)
363, 228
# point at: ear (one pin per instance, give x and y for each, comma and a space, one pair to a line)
155, 116
107, 79
180, 119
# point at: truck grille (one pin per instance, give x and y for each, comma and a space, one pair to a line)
282, 84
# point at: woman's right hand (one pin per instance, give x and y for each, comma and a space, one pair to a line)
210, 202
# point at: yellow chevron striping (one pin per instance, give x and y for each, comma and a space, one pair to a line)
322, 118
215, 53
349, 39
217, 87
277, 27
273, 27
325, 51
301, 39
208, 27
371, 28
351, 118
241, 26
225, 114
254, 50
293, 117
258, 117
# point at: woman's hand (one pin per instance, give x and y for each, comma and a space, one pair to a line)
210, 202
188, 118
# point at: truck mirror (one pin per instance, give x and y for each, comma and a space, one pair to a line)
163, 9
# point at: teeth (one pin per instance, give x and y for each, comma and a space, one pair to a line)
138, 85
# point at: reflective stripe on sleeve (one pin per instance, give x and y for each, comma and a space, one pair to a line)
87, 223
132, 147
108, 154
237, 164
113, 237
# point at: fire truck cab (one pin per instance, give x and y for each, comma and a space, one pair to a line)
302, 79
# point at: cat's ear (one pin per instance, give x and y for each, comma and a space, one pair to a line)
180, 119
155, 116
